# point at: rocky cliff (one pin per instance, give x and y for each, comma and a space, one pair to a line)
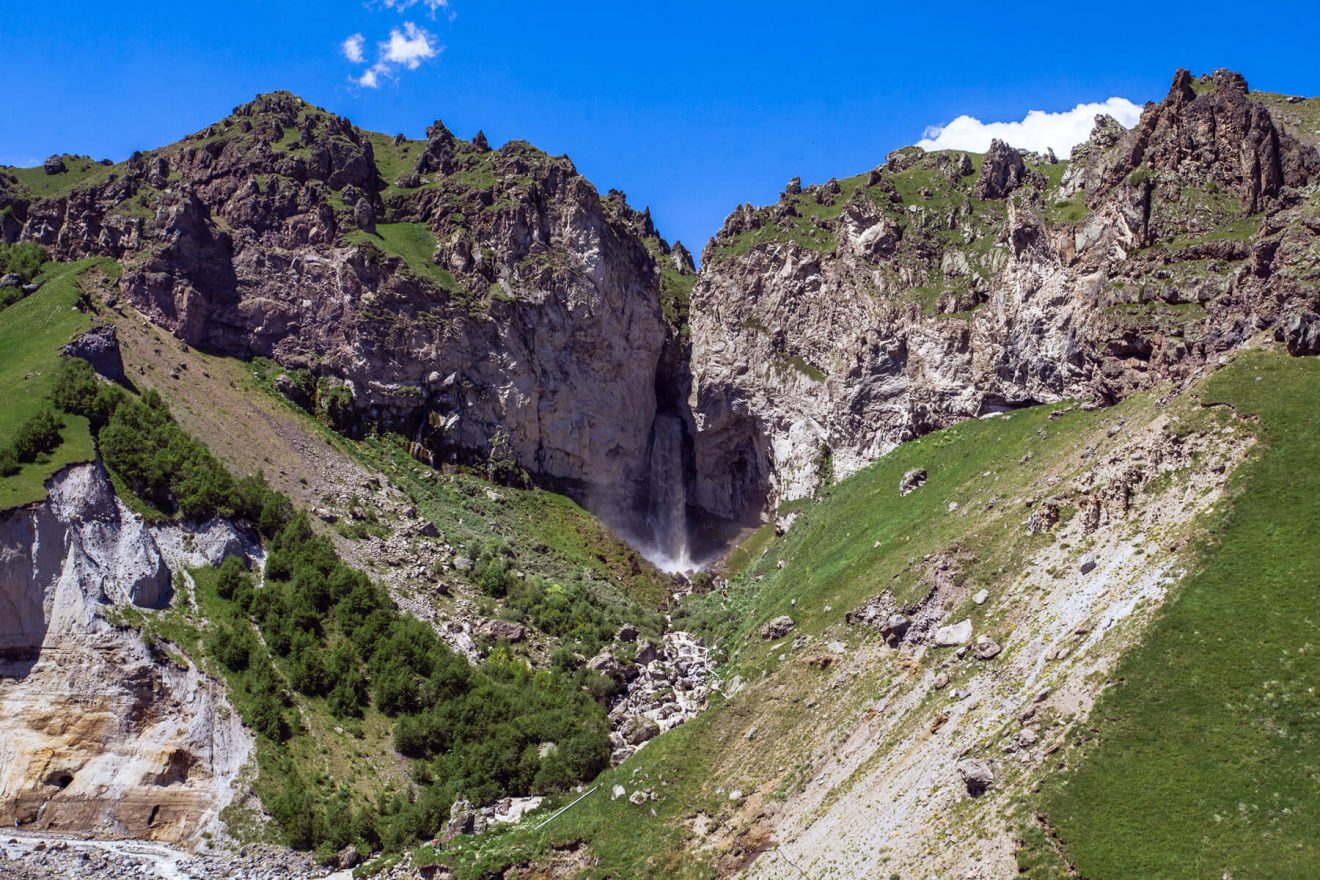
491, 305
488, 302
855, 315
99, 731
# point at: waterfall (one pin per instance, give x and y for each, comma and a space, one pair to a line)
667, 513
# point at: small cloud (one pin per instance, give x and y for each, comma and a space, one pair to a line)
352, 49
409, 47
369, 78
1038, 131
406, 48
432, 6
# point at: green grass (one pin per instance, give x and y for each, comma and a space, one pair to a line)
32, 332
413, 243
394, 160
1207, 761
548, 533
858, 538
81, 171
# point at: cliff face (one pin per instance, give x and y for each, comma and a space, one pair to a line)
855, 315
489, 303
99, 733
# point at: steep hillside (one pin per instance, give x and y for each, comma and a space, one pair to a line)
863, 312
321, 447
483, 302
1048, 658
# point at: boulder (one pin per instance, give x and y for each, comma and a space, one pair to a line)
502, 630
778, 628
1300, 331
954, 634
348, 858
285, 384
646, 653
11, 279
987, 648
626, 633
896, 626
976, 775
100, 348
912, 481
639, 729
54, 165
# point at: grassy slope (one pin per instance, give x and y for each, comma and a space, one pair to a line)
1207, 759
231, 406
414, 244
32, 332
833, 564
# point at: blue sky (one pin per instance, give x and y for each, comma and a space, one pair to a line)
690, 107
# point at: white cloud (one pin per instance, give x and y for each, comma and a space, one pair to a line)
1038, 131
432, 6
352, 49
406, 48
369, 79
409, 47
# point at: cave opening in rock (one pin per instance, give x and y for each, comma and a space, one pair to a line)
60, 779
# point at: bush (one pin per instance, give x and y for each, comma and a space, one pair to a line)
38, 436
8, 462
23, 259
78, 392
232, 646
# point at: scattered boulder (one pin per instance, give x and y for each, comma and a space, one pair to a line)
646, 653
778, 628
348, 858
912, 481
1300, 331
54, 165
986, 648
1043, 518
462, 563
626, 633
11, 279
954, 634
502, 631
941, 681
639, 729
1088, 565
981, 597
896, 626
99, 346
976, 775
294, 391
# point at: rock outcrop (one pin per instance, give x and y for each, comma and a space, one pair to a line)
494, 306
99, 731
830, 327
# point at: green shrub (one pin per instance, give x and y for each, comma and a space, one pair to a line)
37, 436
8, 462
23, 259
